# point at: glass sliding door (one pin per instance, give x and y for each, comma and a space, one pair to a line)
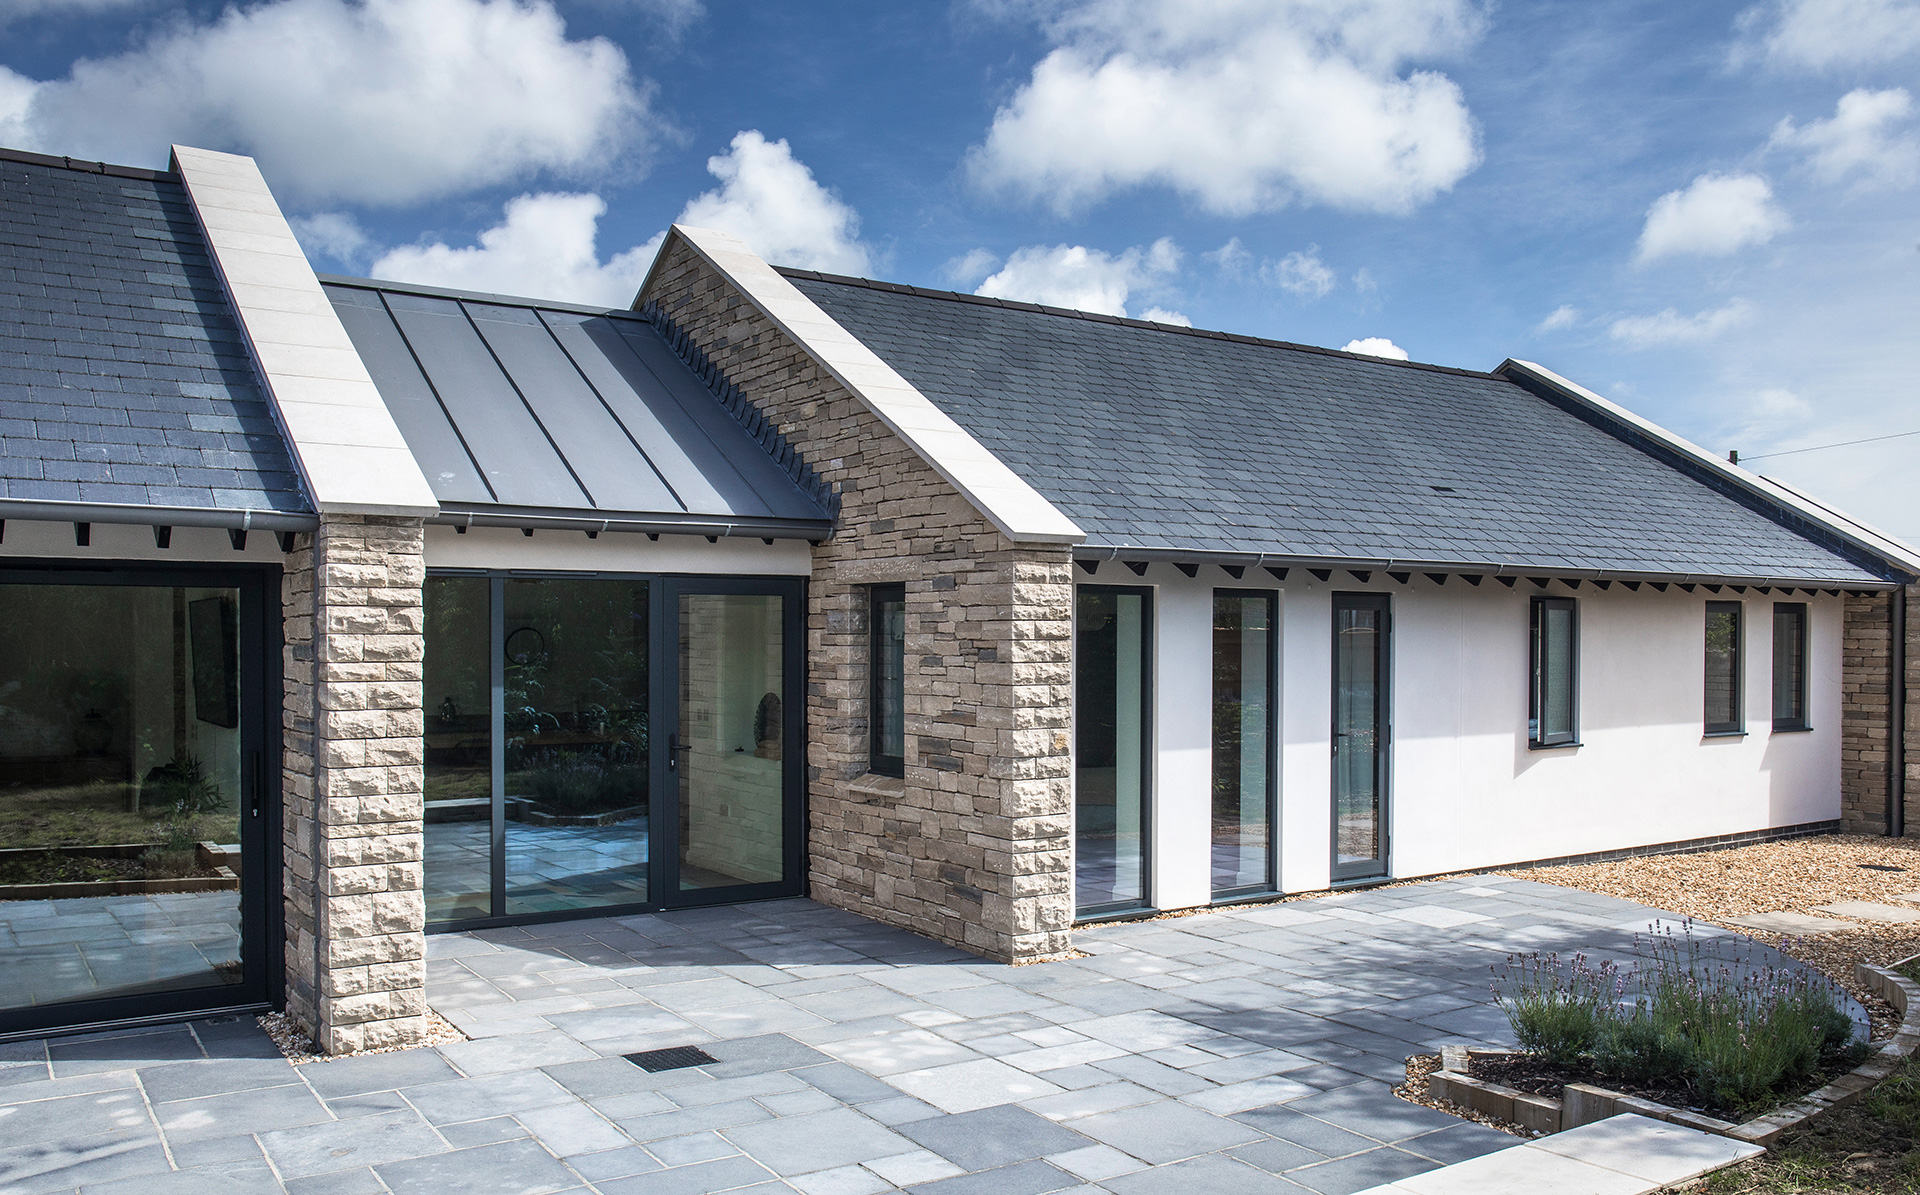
134, 810
734, 753
1112, 746
1362, 734
574, 689
609, 743
1243, 740
458, 696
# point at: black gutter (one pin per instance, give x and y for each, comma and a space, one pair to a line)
28, 510
454, 515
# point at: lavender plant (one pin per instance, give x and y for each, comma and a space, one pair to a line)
1730, 1029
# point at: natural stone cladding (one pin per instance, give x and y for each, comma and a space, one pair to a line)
973, 847
1865, 714
352, 776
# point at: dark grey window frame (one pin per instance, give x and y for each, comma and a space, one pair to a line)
1803, 649
1738, 726
1149, 748
880, 761
1381, 866
1537, 702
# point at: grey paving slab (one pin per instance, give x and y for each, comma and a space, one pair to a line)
819, 1141
510, 1168
377, 1072
1164, 1132
1361, 1171
725, 1174
993, 1137
347, 1144
240, 1112
1213, 1174
1024, 1178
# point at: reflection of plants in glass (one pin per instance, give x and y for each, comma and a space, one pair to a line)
183, 790
576, 783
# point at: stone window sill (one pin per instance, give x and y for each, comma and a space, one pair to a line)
872, 785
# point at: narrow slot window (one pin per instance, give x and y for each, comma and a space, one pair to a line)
887, 680
1553, 720
1243, 742
1790, 666
1724, 712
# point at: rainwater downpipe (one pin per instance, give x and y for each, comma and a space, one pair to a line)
1897, 714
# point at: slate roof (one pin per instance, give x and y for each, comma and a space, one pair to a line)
513, 406
1161, 439
124, 378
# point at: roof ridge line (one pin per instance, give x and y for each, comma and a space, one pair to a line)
84, 166
764, 431
952, 296
387, 286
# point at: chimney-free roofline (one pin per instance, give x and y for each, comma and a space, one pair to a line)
546, 518
1814, 520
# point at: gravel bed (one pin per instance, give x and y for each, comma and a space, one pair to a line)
299, 1048
1794, 876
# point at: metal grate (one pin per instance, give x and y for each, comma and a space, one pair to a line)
673, 1058
1881, 867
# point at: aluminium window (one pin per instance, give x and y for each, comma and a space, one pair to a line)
1725, 711
1790, 666
1553, 720
887, 680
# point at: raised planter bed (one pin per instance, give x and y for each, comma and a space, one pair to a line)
540, 817
1582, 1103
212, 857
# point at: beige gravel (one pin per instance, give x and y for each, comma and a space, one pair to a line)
299, 1048
1794, 876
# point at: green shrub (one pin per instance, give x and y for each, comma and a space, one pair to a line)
1555, 1013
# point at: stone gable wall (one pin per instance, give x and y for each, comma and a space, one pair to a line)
1865, 711
354, 749
973, 846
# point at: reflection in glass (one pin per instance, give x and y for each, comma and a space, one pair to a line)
1110, 746
1242, 739
1789, 665
1359, 716
1554, 664
1723, 713
576, 743
887, 672
120, 772
459, 776
729, 746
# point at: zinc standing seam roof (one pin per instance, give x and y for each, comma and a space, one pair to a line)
124, 378
512, 406
1155, 438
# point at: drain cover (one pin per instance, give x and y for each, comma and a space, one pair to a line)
673, 1058
1881, 867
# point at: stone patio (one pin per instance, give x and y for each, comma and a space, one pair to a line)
1246, 1050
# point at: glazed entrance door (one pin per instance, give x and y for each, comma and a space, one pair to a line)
733, 830
138, 813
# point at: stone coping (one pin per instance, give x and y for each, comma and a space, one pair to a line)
1582, 1104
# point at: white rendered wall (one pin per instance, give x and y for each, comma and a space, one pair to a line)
615, 552
1465, 790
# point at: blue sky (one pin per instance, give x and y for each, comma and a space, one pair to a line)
1705, 211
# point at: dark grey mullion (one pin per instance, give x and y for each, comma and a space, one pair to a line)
497, 680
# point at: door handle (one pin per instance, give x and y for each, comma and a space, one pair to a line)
674, 748
259, 781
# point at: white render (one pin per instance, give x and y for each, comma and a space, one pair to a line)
344, 441
615, 552
1466, 791
996, 491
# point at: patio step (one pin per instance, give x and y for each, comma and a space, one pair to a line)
1622, 1155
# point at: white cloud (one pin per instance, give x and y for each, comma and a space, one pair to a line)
1821, 35
1301, 272
335, 236
544, 249
1081, 278
1857, 141
1670, 327
971, 267
1231, 257
1363, 281
1717, 214
770, 200
1376, 346
1161, 315
1559, 319
367, 101
1241, 105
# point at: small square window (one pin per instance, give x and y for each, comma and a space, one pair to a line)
887, 680
1553, 720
